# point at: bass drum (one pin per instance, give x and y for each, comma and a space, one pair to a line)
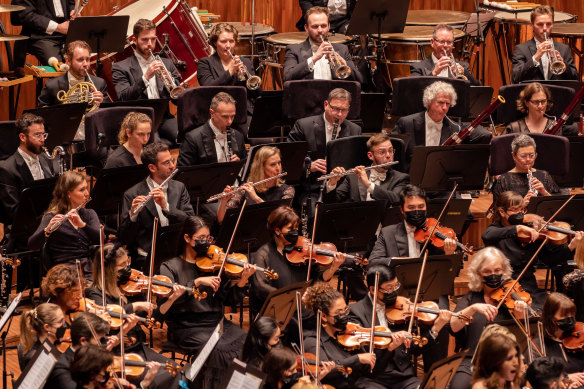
187, 39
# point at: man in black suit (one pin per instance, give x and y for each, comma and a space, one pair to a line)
375, 184
438, 64
339, 13
432, 127
171, 203
214, 141
135, 78
309, 60
46, 22
532, 59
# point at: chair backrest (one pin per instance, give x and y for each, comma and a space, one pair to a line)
193, 106
9, 140
303, 98
553, 154
507, 113
408, 93
399, 153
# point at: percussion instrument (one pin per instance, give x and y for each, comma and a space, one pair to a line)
10, 38
243, 47
572, 34
11, 8
433, 17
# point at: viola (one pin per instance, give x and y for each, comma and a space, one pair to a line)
356, 336
322, 253
233, 264
517, 294
116, 313
439, 236
426, 312
310, 364
134, 366
557, 232
161, 286
575, 341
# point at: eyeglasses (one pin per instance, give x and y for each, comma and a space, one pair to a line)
168, 162
40, 135
538, 102
208, 238
345, 311
445, 43
384, 151
393, 289
339, 109
526, 156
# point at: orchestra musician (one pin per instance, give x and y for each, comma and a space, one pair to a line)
61, 285
137, 77
439, 63
133, 136
79, 230
498, 362
546, 373
534, 101
531, 59
376, 184
171, 203
190, 321
340, 12
267, 163
432, 127
44, 322
264, 335
309, 60
487, 271
398, 240
214, 141
574, 281
280, 366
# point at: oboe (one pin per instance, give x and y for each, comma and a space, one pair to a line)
149, 196
229, 151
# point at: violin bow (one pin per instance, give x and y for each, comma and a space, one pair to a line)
300, 330
312, 245
232, 238
556, 213
152, 253
373, 313
122, 346
78, 267
439, 218
102, 259
415, 306
94, 334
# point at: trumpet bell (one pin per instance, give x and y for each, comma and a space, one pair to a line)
176, 91
253, 83
557, 67
342, 72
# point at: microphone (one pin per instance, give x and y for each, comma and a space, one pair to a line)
59, 66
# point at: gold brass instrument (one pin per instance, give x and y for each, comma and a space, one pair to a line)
253, 82
79, 93
223, 194
454, 67
557, 66
167, 78
341, 71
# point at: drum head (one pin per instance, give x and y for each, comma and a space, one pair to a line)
525, 17
245, 30
288, 38
417, 34
433, 17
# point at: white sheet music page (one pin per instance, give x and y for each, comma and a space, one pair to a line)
243, 381
40, 370
205, 352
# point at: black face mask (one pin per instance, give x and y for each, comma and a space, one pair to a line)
416, 218
291, 380
341, 322
124, 275
493, 280
201, 247
516, 219
106, 378
103, 341
291, 236
567, 325
61, 332
389, 298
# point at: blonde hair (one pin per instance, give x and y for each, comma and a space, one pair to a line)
111, 252
475, 282
66, 183
257, 167
32, 322
131, 122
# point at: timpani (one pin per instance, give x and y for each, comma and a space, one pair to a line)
572, 34
434, 17
243, 47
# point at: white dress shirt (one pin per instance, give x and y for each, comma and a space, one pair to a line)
433, 131
221, 145
413, 245
33, 163
321, 68
545, 60
52, 27
151, 84
337, 7
443, 72
380, 312
80, 134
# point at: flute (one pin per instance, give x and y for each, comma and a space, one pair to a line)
149, 196
352, 171
223, 194
59, 223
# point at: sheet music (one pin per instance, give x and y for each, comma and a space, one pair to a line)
205, 352
243, 381
39, 372
9, 311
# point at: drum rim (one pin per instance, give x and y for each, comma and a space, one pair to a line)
528, 21
270, 39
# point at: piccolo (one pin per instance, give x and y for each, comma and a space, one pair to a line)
352, 171
223, 194
149, 196
59, 223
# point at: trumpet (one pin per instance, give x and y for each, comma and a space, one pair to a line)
167, 79
341, 71
454, 67
557, 66
352, 171
253, 82
224, 194
149, 196
59, 223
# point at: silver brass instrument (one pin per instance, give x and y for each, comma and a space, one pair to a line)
531, 187
79, 93
60, 151
223, 194
557, 66
59, 223
454, 67
341, 71
149, 196
352, 171
253, 82
167, 79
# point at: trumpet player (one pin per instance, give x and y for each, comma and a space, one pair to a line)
138, 76
441, 63
311, 59
532, 59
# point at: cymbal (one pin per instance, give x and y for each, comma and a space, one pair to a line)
6, 37
10, 8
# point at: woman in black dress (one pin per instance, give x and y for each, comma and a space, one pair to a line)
266, 163
45, 322
134, 135
192, 322
264, 334
73, 239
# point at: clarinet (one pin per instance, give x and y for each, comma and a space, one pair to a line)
531, 187
229, 151
335, 129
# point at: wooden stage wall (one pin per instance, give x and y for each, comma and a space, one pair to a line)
281, 14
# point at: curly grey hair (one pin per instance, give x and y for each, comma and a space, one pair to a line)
520, 141
432, 91
475, 282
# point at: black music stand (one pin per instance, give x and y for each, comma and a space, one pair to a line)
251, 233
437, 168
103, 33
169, 244
546, 206
267, 119
439, 275
159, 105
378, 17
293, 154
479, 99
348, 152
442, 372
281, 304
61, 122
575, 176
203, 181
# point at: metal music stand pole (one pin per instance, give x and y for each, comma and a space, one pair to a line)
252, 30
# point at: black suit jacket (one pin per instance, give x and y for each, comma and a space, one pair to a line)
60, 377
15, 176
48, 95
139, 233
415, 127
524, 69
127, 78
349, 189
37, 14
198, 147
296, 65
425, 67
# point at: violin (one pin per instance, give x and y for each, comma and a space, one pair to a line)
439, 236
517, 294
233, 264
322, 253
557, 232
161, 286
134, 366
356, 336
575, 341
116, 313
65, 342
310, 364
426, 312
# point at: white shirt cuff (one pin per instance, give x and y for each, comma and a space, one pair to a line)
310, 64
146, 83
52, 27
535, 63
371, 188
